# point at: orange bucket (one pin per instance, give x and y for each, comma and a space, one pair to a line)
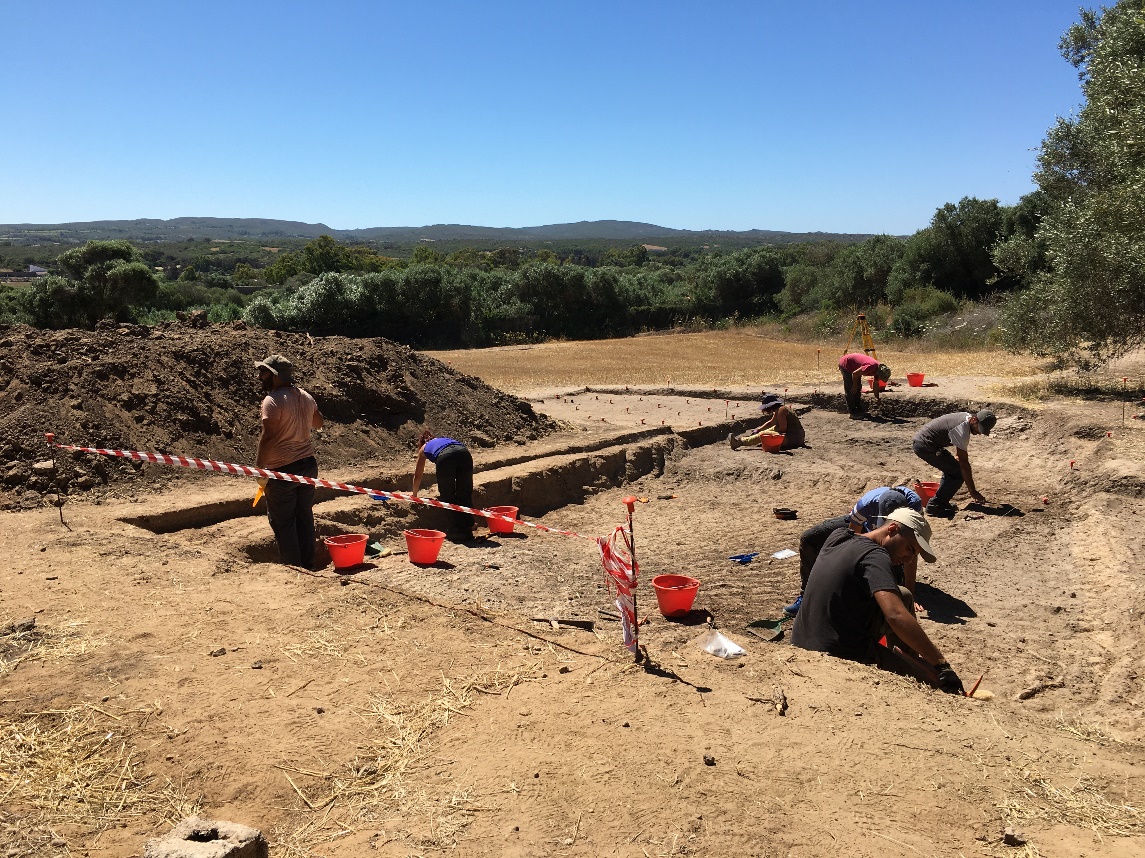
925, 491
675, 594
882, 384
347, 550
501, 526
914, 379
772, 443
424, 545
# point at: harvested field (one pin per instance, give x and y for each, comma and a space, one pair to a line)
402, 710
736, 358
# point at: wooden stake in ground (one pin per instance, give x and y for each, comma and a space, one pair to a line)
630, 502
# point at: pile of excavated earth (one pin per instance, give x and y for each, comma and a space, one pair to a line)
193, 391
157, 663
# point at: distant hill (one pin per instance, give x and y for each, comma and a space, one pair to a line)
218, 228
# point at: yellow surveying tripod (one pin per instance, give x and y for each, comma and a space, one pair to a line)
860, 327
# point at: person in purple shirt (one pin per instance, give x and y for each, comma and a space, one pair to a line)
454, 465
853, 367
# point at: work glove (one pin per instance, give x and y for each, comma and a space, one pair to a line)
948, 680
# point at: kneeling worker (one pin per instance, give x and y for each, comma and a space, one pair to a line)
852, 600
869, 513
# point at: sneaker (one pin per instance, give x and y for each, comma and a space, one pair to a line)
793, 609
734, 442
942, 510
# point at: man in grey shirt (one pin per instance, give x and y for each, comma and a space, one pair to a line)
930, 445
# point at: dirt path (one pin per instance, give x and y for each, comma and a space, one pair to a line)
403, 710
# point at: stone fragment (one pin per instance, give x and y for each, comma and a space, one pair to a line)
195, 837
46, 468
1013, 838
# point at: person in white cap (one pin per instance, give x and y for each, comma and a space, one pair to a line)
853, 599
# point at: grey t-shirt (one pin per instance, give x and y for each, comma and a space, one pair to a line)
942, 432
839, 608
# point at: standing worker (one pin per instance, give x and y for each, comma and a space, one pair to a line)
930, 443
853, 367
454, 465
289, 414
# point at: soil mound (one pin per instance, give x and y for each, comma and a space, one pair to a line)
193, 390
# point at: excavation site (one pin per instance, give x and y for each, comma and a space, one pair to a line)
157, 662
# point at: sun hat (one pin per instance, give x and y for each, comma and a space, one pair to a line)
883, 372
986, 420
770, 401
918, 524
277, 365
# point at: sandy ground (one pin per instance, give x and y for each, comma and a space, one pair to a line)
403, 710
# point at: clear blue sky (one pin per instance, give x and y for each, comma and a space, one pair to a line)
812, 115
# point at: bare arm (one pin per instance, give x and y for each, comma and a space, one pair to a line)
317, 422
968, 474
419, 470
857, 378
260, 457
906, 627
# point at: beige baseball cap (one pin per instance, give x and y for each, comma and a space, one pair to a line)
907, 517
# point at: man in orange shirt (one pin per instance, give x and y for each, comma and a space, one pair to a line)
289, 414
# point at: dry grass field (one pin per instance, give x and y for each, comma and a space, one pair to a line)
740, 357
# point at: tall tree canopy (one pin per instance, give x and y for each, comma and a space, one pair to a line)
1090, 305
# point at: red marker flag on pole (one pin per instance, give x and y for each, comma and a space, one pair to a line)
620, 575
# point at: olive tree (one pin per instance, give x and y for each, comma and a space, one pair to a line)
1090, 305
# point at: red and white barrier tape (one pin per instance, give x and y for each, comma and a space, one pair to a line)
249, 471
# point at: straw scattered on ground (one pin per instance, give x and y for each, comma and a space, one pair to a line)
77, 772
1084, 804
372, 785
24, 640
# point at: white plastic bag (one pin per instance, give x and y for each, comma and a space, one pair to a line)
718, 645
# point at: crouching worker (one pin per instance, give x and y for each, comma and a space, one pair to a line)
781, 420
852, 600
454, 465
853, 367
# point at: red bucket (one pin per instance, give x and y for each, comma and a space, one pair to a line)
925, 490
424, 545
501, 526
348, 550
675, 594
772, 443
882, 384
914, 379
